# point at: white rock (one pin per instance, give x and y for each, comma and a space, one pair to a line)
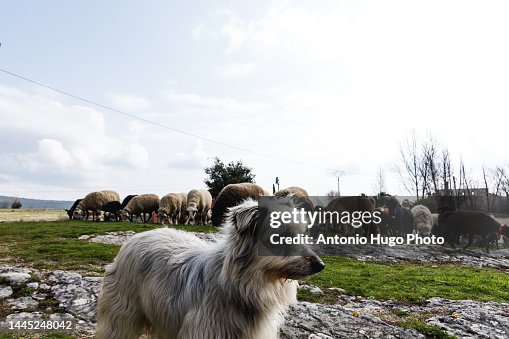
315, 290
79, 302
22, 303
15, 277
337, 289
5, 291
319, 336
33, 285
44, 287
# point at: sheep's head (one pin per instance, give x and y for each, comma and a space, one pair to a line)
191, 213
163, 216
77, 214
124, 215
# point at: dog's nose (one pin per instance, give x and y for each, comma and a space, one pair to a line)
317, 266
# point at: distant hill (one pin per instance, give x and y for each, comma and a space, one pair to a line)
5, 202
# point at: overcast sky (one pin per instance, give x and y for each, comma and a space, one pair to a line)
325, 84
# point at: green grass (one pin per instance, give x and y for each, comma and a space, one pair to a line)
54, 245
430, 331
409, 282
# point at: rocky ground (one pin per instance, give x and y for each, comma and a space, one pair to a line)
32, 294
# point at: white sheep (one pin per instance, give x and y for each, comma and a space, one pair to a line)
199, 203
169, 208
423, 220
184, 219
141, 205
294, 190
434, 217
94, 202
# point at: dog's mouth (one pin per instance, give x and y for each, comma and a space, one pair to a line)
299, 269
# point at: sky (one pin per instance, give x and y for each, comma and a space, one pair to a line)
293, 89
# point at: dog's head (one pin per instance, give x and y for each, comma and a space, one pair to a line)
246, 235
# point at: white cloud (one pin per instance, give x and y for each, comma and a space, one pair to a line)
193, 158
50, 154
213, 104
130, 103
236, 69
62, 143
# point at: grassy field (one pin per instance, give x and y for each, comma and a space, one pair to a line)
54, 245
51, 245
9, 215
412, 283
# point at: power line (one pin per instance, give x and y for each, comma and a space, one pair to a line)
177, 130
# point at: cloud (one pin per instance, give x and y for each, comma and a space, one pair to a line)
130, 103
50, 154
286, 30
236, 69
194, 158
213, 104
62, 143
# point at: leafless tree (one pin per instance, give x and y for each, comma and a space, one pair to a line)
446, 171
379, 184
429, 168
493, 181
409, 172
466, 185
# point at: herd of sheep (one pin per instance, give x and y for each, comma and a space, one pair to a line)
198, 207
172, 208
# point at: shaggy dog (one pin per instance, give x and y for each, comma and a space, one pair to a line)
171, 284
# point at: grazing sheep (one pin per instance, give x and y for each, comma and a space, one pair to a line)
184, 218
384, 223
434, 218
70, 211
127, 199
141, 205
455, 223
400, 219
112, 210
232, 195
406, 203
407, 221
297, 191
94, 202
169, 208
209, 217
423, 220
198, 205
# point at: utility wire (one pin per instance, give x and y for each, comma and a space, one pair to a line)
178, 130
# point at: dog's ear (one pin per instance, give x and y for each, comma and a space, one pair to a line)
244, 217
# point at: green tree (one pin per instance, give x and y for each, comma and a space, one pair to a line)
220, 175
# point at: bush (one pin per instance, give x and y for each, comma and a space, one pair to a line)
221, 175
16, 204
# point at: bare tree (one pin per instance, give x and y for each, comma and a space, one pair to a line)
429, 166
493, 181
379, 184
446, 171
467, 183
410, 173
